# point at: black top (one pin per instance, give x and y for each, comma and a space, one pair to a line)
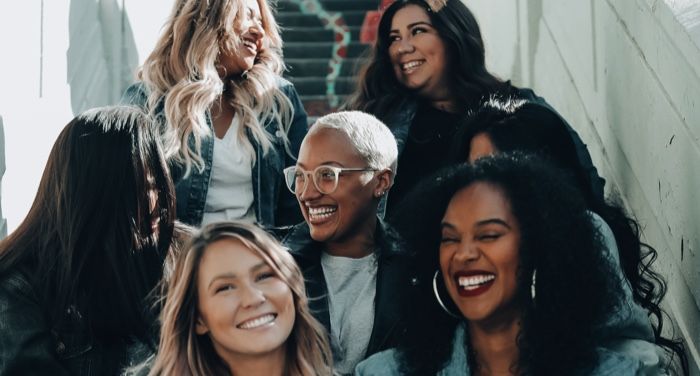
427, 150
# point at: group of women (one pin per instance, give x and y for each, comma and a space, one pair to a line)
203, 228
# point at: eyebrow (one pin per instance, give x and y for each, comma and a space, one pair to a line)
229, 275
483, 222
412, 25
326, 163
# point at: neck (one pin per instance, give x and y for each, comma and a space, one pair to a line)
272, 364
358, 245
495, 343
448, 105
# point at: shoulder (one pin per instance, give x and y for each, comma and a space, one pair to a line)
136, 94
14, 284
636, 362
385, 363
285, 86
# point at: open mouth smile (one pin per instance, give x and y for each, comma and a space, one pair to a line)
258, 322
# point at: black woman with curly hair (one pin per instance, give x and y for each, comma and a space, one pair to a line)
507, 124
522, 280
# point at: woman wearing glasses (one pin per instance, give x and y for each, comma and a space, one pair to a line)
354, 270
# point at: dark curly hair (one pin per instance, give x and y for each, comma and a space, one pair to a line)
576, 288
516, 125
379, 92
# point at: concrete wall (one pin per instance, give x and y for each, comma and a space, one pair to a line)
60, 58
626, 73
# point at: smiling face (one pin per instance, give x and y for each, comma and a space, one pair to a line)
479, 253
247, 44
244, 307
350, 211
418, 53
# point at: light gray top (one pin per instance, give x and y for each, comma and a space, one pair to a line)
352, 286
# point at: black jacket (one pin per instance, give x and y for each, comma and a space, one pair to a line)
394, 282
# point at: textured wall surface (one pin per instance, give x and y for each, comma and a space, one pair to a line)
627, 76
61, 57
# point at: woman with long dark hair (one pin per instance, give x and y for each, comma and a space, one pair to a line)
75, 275
502, 125
521, 278
426, 72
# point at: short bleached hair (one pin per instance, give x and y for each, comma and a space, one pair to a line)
368, 135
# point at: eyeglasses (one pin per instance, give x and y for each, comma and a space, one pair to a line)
325, 178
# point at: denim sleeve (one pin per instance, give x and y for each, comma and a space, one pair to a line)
288, 212
630, 321
26, 344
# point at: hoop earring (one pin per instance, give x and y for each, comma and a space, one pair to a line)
532, 284
437, 296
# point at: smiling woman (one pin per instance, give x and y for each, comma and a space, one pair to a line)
236, 304
426, 72
524, 282
228, 121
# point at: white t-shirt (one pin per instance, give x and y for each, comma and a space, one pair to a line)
230, 193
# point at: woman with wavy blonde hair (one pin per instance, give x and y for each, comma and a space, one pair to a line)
229, 122
236, 304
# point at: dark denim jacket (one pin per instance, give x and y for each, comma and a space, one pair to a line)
394, 283
29, 345
274, 205
399, 122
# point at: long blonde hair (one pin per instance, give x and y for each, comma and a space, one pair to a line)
182, 80
183, 352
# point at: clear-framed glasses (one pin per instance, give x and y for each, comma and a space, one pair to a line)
325, 178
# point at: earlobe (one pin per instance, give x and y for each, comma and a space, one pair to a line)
200, 327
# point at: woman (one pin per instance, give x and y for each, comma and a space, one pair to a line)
356, 276
502, 125
236, 306
426, 72
75, 274
521, 275
229, 122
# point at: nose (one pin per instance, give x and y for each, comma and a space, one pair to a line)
468, 252
309, 192
251, 296
405, 46
256, 30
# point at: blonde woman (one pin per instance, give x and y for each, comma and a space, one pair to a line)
236, 305
229, 122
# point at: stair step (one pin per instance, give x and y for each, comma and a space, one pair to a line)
333, 5
313, 34
319, 67
317, 85
296, 50
318, 105
291, 19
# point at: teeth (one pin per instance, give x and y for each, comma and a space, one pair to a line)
411, 64
321, 212
258, 322
471, 283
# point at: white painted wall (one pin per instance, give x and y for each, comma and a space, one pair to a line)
61, 57
626, 74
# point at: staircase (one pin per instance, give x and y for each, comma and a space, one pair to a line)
322, 49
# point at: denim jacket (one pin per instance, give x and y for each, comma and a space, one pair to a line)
399, 122
610, 363
393, 282
30, 345
274, 205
